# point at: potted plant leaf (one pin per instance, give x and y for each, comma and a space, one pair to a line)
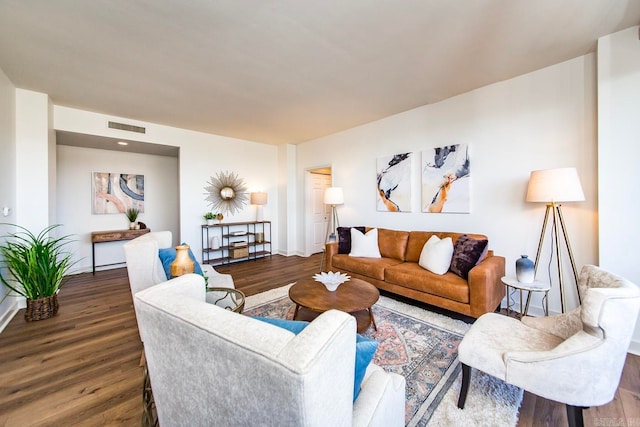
132, 216
34, 267
209, 217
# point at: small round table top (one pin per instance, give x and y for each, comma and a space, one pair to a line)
227, 298
351, 296
535, 286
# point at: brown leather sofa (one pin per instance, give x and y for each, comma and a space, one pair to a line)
398, 272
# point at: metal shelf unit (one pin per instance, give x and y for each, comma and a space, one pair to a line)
236, 241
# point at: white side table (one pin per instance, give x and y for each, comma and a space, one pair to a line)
536, 286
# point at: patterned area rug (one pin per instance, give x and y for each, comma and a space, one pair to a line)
421, 346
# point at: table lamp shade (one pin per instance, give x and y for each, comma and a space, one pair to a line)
554, 185
258, 198
333, 196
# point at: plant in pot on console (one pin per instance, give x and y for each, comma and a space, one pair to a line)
209, 217
132, 216
34, 267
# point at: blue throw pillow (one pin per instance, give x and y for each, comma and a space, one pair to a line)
365, 348
167, 255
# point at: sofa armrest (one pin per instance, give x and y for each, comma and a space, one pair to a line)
485, 287
330, 250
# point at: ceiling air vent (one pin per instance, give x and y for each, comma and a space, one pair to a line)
130, 128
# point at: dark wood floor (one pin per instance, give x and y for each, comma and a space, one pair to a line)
82, 366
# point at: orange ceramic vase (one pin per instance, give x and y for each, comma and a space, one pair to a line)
183, 264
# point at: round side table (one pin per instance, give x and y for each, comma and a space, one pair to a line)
536, 286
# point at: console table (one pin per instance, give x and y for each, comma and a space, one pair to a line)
112, 236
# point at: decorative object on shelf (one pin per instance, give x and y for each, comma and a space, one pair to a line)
219, 217
36, 266
227, 192
551, 186
259, 199
525, 270
331, 280
259, 237
183, 264
333, 196
215, 242
132, 216
209, 217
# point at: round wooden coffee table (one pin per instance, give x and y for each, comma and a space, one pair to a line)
355, 297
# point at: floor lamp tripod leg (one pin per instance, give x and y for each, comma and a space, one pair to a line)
566, 240
544, 229
558, 258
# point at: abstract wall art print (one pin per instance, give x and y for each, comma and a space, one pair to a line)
446, 179
393, 180
117, 192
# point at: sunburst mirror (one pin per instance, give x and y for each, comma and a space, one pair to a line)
226, 193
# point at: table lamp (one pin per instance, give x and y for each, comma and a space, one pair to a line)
259, 199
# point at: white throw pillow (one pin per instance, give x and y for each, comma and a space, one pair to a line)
436, 255
364, 245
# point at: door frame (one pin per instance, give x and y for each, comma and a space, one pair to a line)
308, 211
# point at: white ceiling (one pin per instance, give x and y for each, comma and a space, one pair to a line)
286, 71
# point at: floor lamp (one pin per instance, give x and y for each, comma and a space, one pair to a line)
551, 186
332, 196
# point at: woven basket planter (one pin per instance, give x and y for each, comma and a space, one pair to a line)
42, 308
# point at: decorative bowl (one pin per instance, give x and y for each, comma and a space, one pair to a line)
331, 280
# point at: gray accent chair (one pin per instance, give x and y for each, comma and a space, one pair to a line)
212, 367
574, 358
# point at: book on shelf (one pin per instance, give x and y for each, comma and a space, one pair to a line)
238, 233
238, 244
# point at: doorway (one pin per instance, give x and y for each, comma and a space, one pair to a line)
316, 212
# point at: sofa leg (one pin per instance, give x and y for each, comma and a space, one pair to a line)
464, 388
574, 416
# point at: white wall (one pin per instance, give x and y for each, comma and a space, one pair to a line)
540, 120
75, 166
619, 155
7, 178
201, 157
33, 160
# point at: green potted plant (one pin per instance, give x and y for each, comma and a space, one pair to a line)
35, 268
209, 217
132, 216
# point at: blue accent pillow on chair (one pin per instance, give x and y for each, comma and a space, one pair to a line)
365, 348
167, 255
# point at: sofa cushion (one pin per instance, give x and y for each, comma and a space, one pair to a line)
364, 245
369, 267
344, 238
466, 253
365, 348
392, 243
436, 255
411, 275
417, 239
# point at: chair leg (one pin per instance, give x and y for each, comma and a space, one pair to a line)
574, 415
464, 388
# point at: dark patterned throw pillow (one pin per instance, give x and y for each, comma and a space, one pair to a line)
344, 238
466, 253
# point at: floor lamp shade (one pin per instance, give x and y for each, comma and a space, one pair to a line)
333, 196
259, 199
552, 186
555, 185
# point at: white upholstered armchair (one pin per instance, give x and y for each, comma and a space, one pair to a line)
145, 268
213, 367
574, 358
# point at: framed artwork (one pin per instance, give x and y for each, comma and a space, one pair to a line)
393, 181
117, 192
446, 179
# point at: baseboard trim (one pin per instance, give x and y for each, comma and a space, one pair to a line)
9, 314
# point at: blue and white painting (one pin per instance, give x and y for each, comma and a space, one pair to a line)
446, 179
117, 192
393, 180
